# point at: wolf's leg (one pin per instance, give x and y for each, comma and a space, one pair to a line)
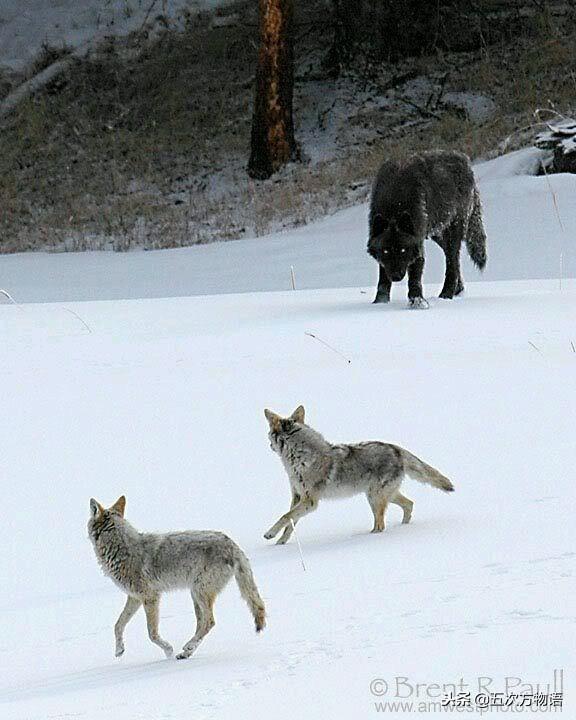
132, 605
151, 607
203, 607
378, 503
415, 294
452, 241
288, 530
384, 285
305, 506
405, 503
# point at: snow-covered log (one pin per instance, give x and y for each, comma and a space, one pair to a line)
43, 78
560, 142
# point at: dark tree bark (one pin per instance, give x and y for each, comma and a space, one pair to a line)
272, 142
344, 38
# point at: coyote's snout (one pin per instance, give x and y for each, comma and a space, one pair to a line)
144, 565
317, 469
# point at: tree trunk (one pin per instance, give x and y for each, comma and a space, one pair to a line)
272, 142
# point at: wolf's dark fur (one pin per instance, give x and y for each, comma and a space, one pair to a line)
431, 194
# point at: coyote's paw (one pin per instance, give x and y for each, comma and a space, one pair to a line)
282, 540
269, 534
183, 656
418, 303
119, 650
169, 651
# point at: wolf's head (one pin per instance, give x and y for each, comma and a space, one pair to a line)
102, 518
394, 243
280, 427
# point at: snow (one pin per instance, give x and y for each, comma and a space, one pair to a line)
329, 253
25, 25
162, 399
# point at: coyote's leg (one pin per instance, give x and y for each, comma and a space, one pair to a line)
405, 503
378, 502
203, 605
384, 285
132, 605
305, 506
452, 240
288, 530
151, 607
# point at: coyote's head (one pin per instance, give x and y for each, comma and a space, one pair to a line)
281, 427
102, 518
394, 243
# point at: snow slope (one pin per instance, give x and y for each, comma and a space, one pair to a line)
25, 25
162, 400
524, 241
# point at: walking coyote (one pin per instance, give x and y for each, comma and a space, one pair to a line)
317, 470
431, 194
144, 565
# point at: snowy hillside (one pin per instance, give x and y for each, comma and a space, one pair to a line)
524, 241
25, 25
162, 399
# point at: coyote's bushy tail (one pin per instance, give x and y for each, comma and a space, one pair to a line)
476, 237
424, 473
248, 590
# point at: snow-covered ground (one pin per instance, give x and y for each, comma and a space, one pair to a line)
162, 399
25, 25
525, 241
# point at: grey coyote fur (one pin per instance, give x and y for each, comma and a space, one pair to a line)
318, 469
144, 565
431, 194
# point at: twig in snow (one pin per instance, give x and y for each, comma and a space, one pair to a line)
554, 198
79, 318
535, 347
299, 546
7, 295
328, 346
573, 348
292, 277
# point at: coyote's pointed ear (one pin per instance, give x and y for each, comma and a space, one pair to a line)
95, 507
119, 506
274, 420
405, 224
298, 414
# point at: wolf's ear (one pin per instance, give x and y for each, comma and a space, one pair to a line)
95, 507
119, 506
274, 420
298, 414
378, 224
405, 224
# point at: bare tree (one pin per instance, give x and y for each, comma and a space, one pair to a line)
272, 142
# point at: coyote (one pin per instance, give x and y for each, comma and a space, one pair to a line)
317, 469
431, 194
144, 565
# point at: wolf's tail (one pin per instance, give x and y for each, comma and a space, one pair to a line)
424, 473
476, 237
248, 589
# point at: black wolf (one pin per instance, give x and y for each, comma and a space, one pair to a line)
431, 194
